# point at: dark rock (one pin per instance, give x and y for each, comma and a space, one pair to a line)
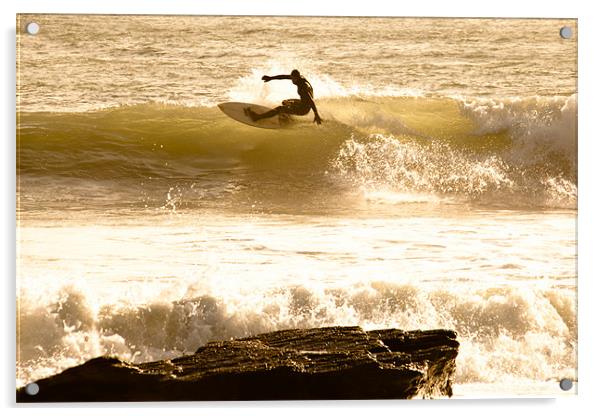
296, 364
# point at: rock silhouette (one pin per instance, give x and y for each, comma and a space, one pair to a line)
297, 364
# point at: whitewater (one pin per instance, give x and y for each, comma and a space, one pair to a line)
440, 192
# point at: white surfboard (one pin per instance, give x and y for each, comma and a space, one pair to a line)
237, 112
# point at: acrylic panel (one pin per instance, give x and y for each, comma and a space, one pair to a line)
267, 208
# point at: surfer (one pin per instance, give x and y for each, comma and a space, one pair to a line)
291, 106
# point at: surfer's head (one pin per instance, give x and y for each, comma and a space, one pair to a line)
295, 74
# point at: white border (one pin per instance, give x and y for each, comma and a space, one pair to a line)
590, 374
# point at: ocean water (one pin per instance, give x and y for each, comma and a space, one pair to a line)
440, 192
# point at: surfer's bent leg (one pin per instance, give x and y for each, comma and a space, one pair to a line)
285, 108
292, 106
254, 116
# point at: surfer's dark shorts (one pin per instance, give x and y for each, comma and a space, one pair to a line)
294, 106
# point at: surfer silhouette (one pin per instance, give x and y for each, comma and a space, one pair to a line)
295, 106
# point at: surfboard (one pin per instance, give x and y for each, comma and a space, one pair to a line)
236, 111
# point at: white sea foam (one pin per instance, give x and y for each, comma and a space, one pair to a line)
505, 334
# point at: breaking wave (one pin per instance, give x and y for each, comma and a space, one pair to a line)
505, 334
479, 150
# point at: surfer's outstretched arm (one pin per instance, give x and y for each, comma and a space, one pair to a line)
267, 78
